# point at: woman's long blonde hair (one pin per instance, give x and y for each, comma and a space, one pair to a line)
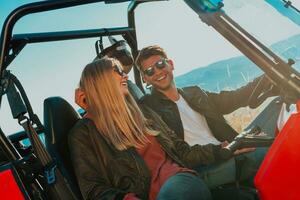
116, 117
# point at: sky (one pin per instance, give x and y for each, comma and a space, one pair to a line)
53, 69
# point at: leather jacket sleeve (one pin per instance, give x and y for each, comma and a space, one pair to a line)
191, 156
89, 170
248, 95
196, 155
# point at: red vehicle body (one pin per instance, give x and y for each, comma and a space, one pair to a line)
31, 172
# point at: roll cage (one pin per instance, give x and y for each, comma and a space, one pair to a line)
210, 12
11, 45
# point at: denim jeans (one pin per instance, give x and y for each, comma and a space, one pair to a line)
184, 186
229, 172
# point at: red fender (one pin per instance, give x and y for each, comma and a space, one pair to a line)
9, 188
278, 177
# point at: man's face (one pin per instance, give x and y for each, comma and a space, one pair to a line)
161, 77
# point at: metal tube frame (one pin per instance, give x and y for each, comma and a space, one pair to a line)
11, 45
15, 43
277, 70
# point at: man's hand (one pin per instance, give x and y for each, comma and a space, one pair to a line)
224, 144
238, 151
244, 150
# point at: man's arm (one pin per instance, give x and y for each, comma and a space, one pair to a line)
252, 95
192, 156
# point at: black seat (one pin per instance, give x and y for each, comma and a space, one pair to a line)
135, 91
59, 118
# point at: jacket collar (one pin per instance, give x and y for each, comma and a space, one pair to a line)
159, 95
200, 105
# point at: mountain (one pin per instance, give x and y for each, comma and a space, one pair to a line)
234, 72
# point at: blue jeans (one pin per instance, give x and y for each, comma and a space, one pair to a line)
228, 172
184, 186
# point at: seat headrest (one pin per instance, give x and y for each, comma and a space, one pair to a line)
135, 91
59, 118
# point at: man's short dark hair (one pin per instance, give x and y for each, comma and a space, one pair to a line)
147, 52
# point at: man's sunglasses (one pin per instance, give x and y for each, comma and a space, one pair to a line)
119, 70
162, 63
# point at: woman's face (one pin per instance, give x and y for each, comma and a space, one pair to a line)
121, 77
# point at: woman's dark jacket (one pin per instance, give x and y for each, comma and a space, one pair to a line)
211, 105
103, 172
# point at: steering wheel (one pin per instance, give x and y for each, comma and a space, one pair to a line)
264, 89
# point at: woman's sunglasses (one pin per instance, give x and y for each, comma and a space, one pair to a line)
119, 70
162, 63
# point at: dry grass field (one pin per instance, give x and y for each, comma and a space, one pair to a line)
241, 118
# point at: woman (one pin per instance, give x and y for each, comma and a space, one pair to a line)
119, 154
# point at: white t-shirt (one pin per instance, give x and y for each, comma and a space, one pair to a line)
196, 130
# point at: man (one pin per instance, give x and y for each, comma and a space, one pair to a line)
197, 115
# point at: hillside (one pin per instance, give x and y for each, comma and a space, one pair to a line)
234, 72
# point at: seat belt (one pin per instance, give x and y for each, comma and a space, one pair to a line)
57, 187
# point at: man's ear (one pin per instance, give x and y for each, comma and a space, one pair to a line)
145, 80
171, 63
143, 77
80, 98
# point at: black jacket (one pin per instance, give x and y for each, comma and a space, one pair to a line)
103, 172
212, 105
